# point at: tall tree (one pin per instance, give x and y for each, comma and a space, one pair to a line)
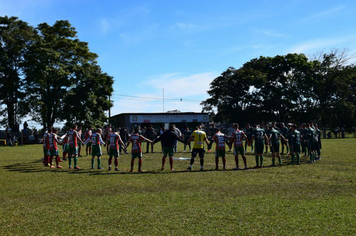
15, 37
58, 64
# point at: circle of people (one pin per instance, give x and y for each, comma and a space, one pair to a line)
295, 140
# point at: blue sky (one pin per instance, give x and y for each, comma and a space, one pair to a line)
181, 46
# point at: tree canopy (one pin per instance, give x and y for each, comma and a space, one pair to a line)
288, 88
52, 73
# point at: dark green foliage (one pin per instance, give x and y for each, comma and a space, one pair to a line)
286, 88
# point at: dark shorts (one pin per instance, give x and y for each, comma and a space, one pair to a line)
168, 151
199, 151
295, 148
275, 147
259, 147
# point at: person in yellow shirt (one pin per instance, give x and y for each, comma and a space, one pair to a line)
199, 137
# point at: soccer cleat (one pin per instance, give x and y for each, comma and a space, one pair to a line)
80, 156
59, 167
109, 168
201, 169
64, 159
77, 168
52, 166
117, 169
70, 168
100, 168
236, 168
173, 169
189, 168
216, 168
60, 160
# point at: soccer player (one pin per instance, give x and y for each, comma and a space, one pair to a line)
72, 137
65, 149
259, 135
96, 141
87, 135
220, 139
115, 141
53, 149
237, 137
284, 131
46, 147
296, 138
311, 142
136, 149
168, 140
273, 140
199, 138
80, 133
318, 142
249, 132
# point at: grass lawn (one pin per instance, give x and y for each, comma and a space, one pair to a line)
309, 199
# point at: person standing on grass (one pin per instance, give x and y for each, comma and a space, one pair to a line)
87, 135
318, 142
96, 141
199, 137
273, 140
311, 142
115, 141
80, 133
219, 139
53, 139
284, 131
249, 132
136, 151
186, 135
65, 146
168, 140
296, 139
72, 137
150, 134
237, 137
304, 145
46, 147
260, 137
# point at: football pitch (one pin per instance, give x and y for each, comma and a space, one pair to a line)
306, 199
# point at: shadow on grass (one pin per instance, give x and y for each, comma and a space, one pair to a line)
33, 167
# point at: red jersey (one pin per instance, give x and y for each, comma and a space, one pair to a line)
219, 138
114, 141
96, 139
237, 137
52, 141
72, 138
136, 140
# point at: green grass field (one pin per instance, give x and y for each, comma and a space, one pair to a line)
309, 199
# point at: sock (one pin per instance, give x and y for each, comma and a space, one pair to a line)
99, 163
116, 162
279, 160
51, 160
244, 159
273, 161
224, 162
70, 162
57, 160
292, 156
261, 160
201, 162
75, 161
163, 162
216, 162
298, 158
256, 158
92, 163
237, 161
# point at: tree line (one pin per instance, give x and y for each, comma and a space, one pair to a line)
288, 88
47, 73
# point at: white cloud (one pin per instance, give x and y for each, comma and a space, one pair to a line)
104, 25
